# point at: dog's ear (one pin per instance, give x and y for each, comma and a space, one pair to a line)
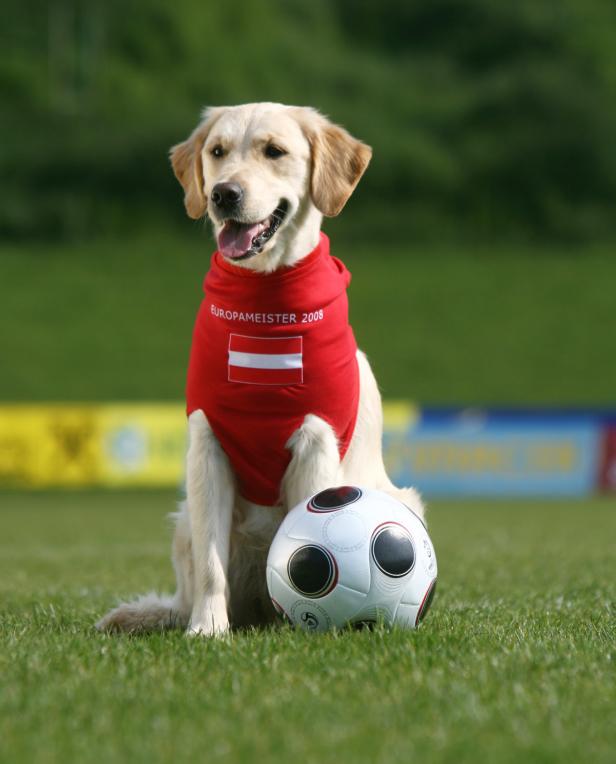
188, 166
338, 161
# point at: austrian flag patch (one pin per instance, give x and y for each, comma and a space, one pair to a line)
265, 360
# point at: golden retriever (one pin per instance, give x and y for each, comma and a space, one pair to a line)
265, 174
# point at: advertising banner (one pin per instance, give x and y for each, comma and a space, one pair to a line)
88, 445
484, 453
441, 452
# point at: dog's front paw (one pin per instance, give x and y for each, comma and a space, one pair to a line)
209, 620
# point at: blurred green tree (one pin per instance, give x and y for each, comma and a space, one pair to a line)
485, 117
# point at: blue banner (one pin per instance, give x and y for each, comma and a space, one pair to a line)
496, 453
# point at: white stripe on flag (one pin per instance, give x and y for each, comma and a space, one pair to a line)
265, 360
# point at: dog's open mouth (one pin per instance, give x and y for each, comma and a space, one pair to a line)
239, 241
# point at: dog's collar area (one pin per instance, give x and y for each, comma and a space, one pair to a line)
256, 235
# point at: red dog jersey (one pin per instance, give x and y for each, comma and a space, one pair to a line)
267, 350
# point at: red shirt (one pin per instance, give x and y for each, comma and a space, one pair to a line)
267, 350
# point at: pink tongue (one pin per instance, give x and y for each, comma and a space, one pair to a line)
235, 239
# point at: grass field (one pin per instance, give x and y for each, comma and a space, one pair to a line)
515, 662
112, 319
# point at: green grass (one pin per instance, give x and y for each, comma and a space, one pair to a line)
515, 662
112, 319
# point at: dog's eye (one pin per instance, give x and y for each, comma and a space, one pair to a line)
217, 152
274, 152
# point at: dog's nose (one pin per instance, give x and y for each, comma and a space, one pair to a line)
227, 195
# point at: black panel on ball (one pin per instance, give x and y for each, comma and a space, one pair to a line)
393, 551
427, 601
311, 570
334, 498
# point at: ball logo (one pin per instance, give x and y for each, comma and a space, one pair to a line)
309, 616
310, 620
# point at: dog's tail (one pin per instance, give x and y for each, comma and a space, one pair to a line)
150, 612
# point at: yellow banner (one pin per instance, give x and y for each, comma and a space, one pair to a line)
119, 444
88, 445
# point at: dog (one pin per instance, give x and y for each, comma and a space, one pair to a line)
264, 434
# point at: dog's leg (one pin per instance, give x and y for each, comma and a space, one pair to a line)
182, 556
210, 492
315, 462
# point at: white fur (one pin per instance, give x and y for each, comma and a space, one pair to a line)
210, 498
221, 540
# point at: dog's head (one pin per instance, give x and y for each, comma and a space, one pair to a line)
262, 171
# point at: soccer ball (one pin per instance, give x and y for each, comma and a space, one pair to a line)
350, 556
